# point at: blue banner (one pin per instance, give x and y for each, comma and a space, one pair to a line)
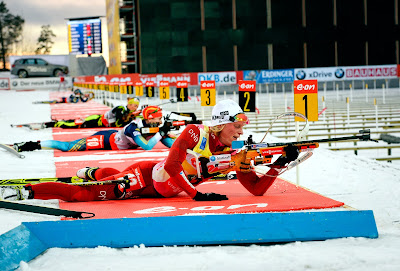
270, 76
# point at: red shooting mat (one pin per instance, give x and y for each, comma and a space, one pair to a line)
73, 134
74, 110
69, 162
281, 197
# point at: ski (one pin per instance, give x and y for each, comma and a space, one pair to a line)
10, 149
31, 126
25, 181
43, 210
67, 180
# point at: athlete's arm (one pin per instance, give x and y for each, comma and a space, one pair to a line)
133, 133
173, 166
257, 185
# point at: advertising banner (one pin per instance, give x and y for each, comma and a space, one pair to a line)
347, 73
371, 72
221, 78
39, 83
4, 83
320, 74
121, 78
269, 76
172, 78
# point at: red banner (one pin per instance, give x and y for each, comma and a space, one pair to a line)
172, 78
119, 78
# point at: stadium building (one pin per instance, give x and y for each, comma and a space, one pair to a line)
166, 36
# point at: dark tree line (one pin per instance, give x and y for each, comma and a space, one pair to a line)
11, 27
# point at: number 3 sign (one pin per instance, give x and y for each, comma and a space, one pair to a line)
207, 93
306, 99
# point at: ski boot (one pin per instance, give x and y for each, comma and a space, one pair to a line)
17, 192
87, 173
27, 146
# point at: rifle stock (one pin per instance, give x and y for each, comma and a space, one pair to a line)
262, 153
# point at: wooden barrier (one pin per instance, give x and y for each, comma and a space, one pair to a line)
389, 159
331, 135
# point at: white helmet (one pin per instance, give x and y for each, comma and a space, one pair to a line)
224, 111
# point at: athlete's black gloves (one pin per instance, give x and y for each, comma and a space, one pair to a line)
209, 197
163, 130
292, 152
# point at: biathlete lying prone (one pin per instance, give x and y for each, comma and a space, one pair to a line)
130, 137
178, 172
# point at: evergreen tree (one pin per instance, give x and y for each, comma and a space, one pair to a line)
45, 41
11, 27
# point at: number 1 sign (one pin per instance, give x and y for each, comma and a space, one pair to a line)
306, 99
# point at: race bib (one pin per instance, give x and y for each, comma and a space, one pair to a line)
135, 177
95, 142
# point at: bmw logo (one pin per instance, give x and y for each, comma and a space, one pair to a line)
300, 75
212, 158
14, 83
339, 73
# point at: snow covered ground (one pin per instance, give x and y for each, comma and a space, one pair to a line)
359, 182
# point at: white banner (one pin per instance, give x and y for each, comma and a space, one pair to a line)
39, 83
321, 74
347, 73
371, 72
221, 78
4, 83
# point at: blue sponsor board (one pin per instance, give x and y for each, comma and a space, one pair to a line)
270, 76
30, 239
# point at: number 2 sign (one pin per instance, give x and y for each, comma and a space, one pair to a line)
306, 99
247, 95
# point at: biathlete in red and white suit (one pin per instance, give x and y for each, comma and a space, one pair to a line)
178, 171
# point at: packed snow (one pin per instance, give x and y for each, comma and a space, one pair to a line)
359, 182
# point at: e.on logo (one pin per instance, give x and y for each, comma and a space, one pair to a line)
169, 209
207, 84
247, 85
305, 86
182, 84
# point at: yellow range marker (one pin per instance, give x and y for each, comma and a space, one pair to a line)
306, 99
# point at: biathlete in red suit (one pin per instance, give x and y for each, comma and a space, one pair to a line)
178, 172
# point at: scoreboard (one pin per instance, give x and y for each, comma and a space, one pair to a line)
84, 36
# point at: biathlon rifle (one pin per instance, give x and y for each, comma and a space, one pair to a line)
171, 101
248, 153
173, 124
176, 124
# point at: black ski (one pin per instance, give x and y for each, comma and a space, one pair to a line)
11, 150
44, 210
32, 126
74, 179
68, 180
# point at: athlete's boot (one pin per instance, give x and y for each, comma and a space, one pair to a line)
27, 146
87, 173
17, 192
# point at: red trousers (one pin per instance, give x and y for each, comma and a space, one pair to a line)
68, 192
